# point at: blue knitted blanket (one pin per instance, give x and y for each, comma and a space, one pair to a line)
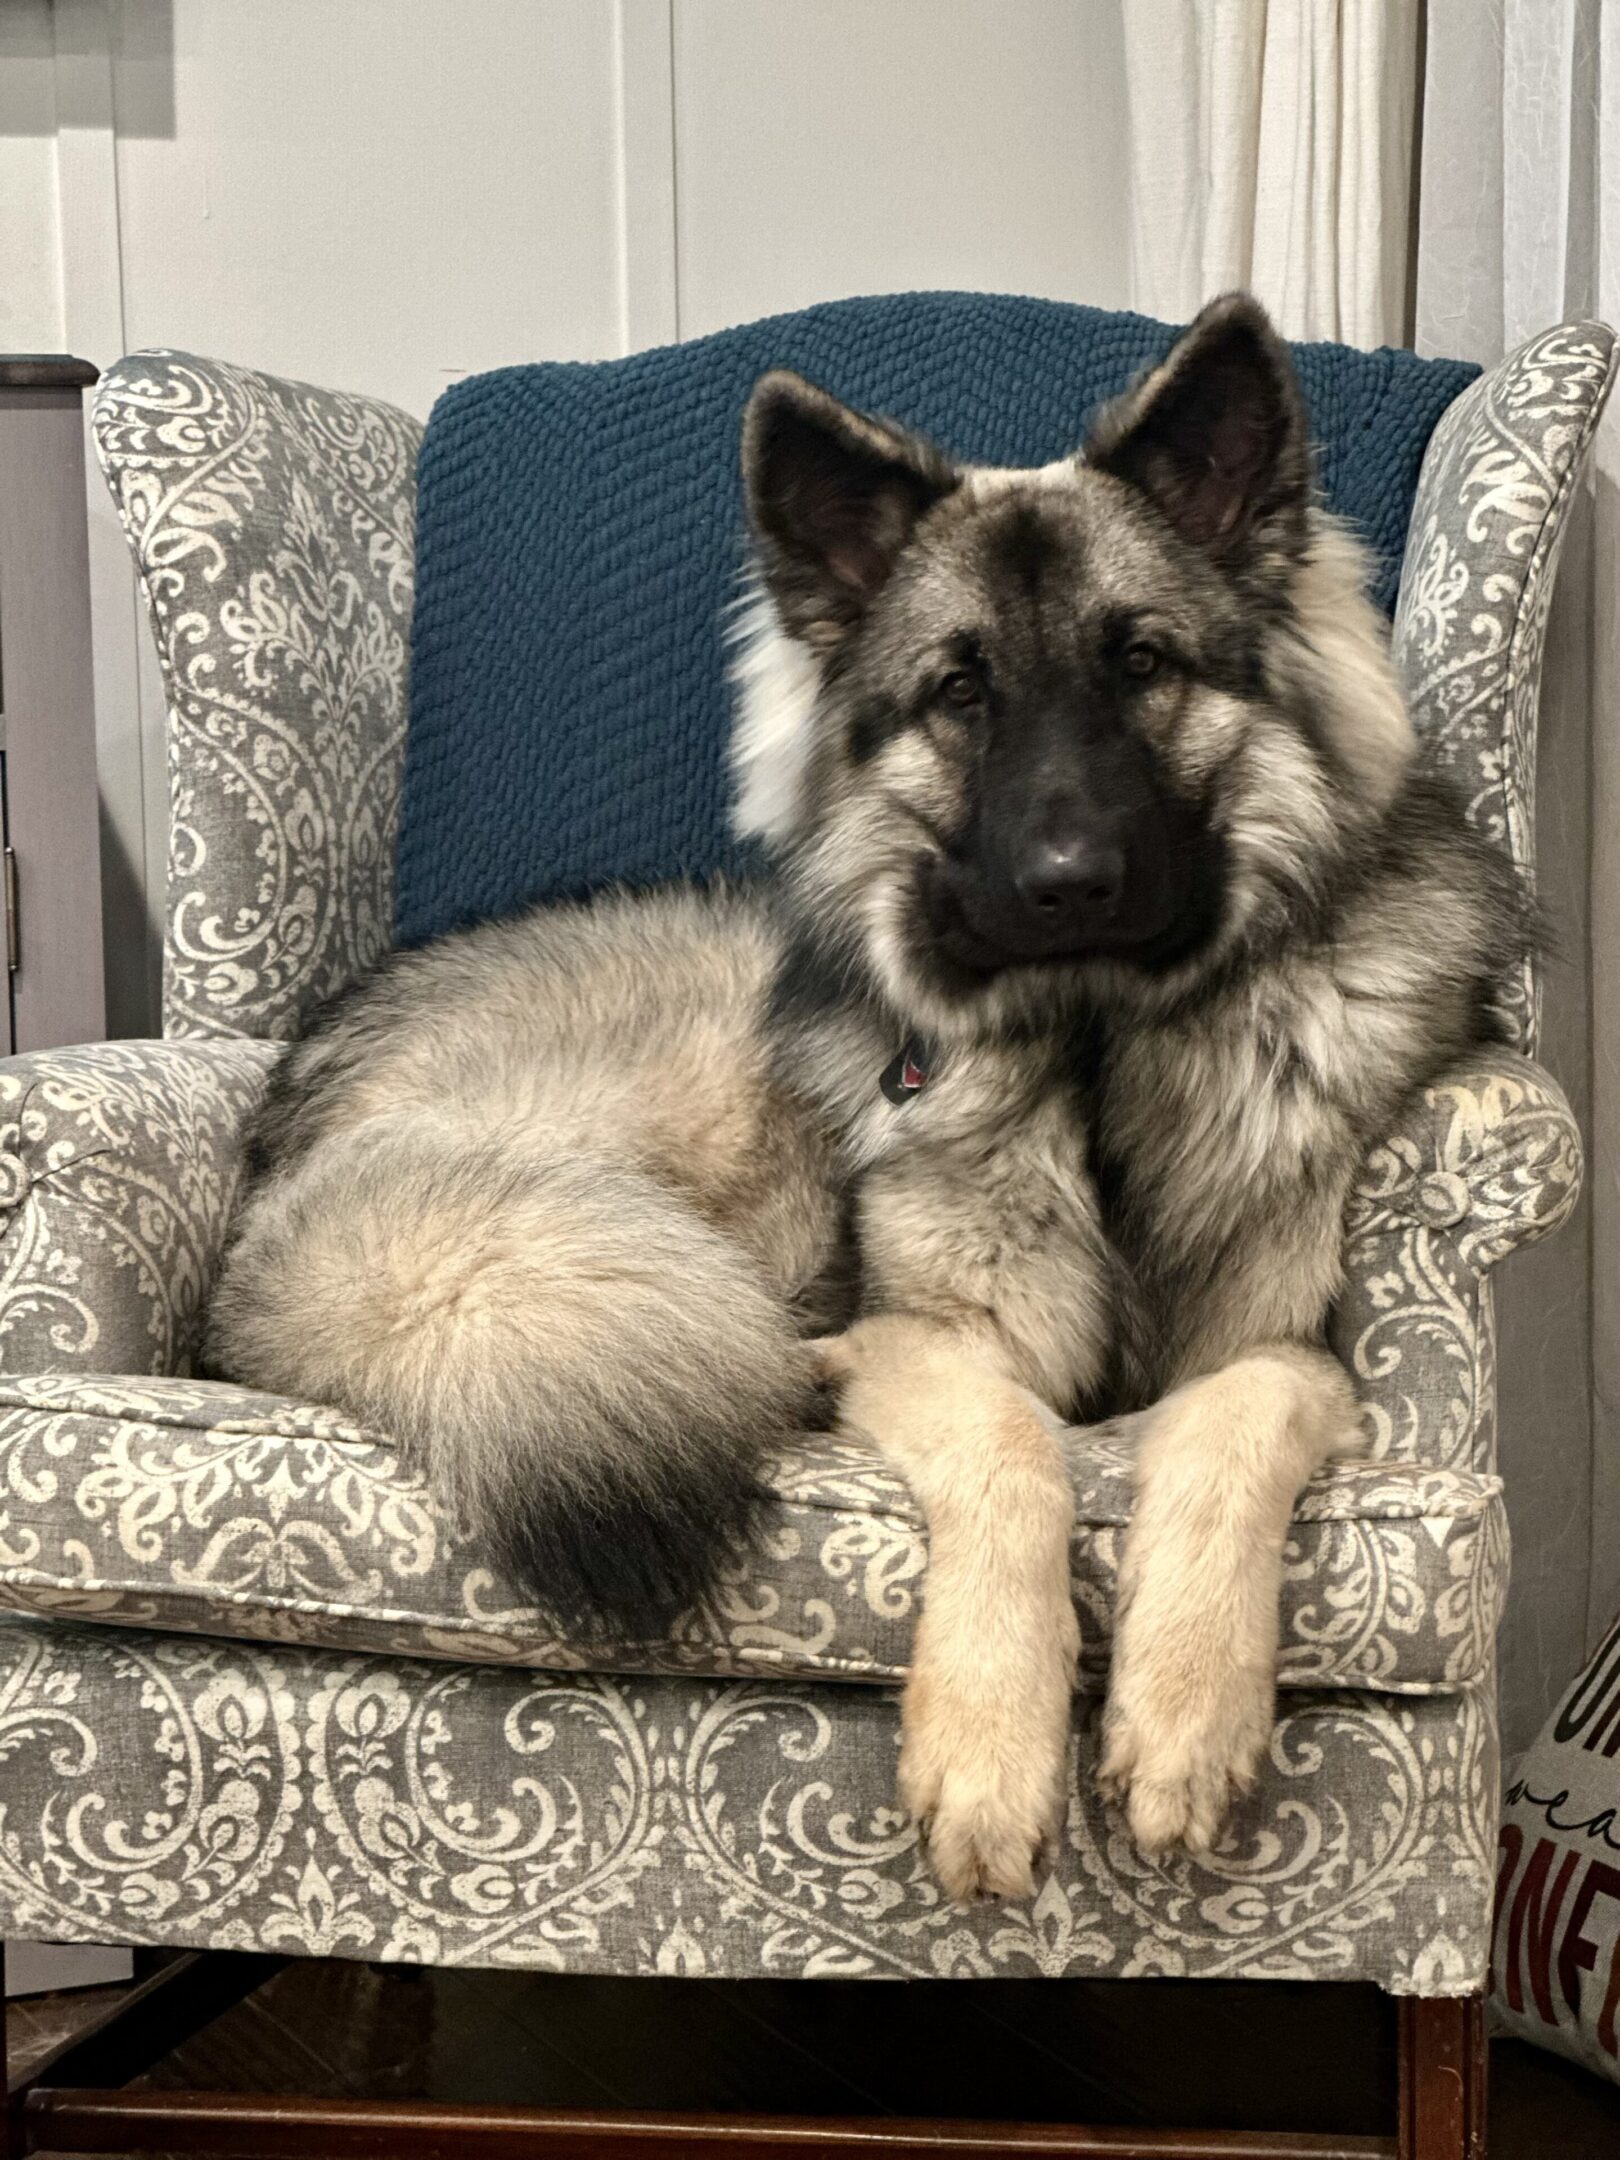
580, 533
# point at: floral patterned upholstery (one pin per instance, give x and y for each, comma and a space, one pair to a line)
255, 1692
1481, 557
119, 1165
273, 526
198, 1507
181, 1790
1489, 1158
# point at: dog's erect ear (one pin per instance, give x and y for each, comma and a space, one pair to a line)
833, 497
1215, 436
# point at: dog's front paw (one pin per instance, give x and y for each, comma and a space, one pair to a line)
1176, 1753
984, 1770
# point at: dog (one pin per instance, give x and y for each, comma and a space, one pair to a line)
1113, 915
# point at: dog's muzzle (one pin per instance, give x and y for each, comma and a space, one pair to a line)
1067, 896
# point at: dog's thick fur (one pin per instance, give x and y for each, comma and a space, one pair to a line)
1091, 791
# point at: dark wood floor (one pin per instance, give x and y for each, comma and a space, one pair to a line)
1295, 2057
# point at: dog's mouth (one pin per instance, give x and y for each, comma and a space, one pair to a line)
975, 930
1165, 913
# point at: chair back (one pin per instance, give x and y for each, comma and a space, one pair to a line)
581, 542
273, 527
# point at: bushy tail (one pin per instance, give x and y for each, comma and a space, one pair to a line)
588, 1371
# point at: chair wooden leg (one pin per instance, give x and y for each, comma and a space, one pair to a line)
1443, 2075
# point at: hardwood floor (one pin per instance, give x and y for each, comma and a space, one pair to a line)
1152, 2051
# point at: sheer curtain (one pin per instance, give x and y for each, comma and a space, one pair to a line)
1284, 147
1271, 146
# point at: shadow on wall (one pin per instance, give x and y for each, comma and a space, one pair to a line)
40, 87
132, 941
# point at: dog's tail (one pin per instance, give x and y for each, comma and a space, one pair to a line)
587, 1371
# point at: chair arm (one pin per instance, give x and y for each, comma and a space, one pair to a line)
1491, 1154
1486, 1159
119, 1164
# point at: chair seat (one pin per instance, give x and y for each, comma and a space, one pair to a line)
206, 1509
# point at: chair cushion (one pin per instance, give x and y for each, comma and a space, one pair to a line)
207, 1509
580, 536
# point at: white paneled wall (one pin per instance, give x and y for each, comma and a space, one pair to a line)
30, 236
376, 194
383, 195
830, 147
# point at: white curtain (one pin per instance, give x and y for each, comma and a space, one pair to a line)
1519, 227
1271, 147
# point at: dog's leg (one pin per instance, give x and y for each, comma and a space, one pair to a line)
984, 1761
1191, 1702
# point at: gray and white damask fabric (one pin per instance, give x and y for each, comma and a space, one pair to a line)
229, 1795
119, 1164
331, 1789
205, 1509
273, 525
1482, 553
375, 1805
1487, 1159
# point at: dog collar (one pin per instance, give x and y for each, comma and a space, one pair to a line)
909, 1071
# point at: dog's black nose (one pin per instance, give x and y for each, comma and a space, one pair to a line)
1071, 882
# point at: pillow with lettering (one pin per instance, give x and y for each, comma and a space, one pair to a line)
1555, 1962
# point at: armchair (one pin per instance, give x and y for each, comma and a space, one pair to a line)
256, 1694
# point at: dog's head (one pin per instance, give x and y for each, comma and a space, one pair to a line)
1019, 733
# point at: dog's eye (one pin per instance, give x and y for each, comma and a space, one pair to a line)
960, 688
1141, 660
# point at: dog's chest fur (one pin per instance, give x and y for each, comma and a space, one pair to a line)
1143, 1158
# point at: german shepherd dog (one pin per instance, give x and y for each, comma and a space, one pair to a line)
1114, 917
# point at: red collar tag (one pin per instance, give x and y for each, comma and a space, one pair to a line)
908, 1073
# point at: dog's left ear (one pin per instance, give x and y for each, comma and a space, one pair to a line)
1215, 436
833, 497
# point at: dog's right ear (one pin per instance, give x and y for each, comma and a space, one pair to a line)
833, 496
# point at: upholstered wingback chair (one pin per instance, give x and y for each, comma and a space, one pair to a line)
256, 1693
